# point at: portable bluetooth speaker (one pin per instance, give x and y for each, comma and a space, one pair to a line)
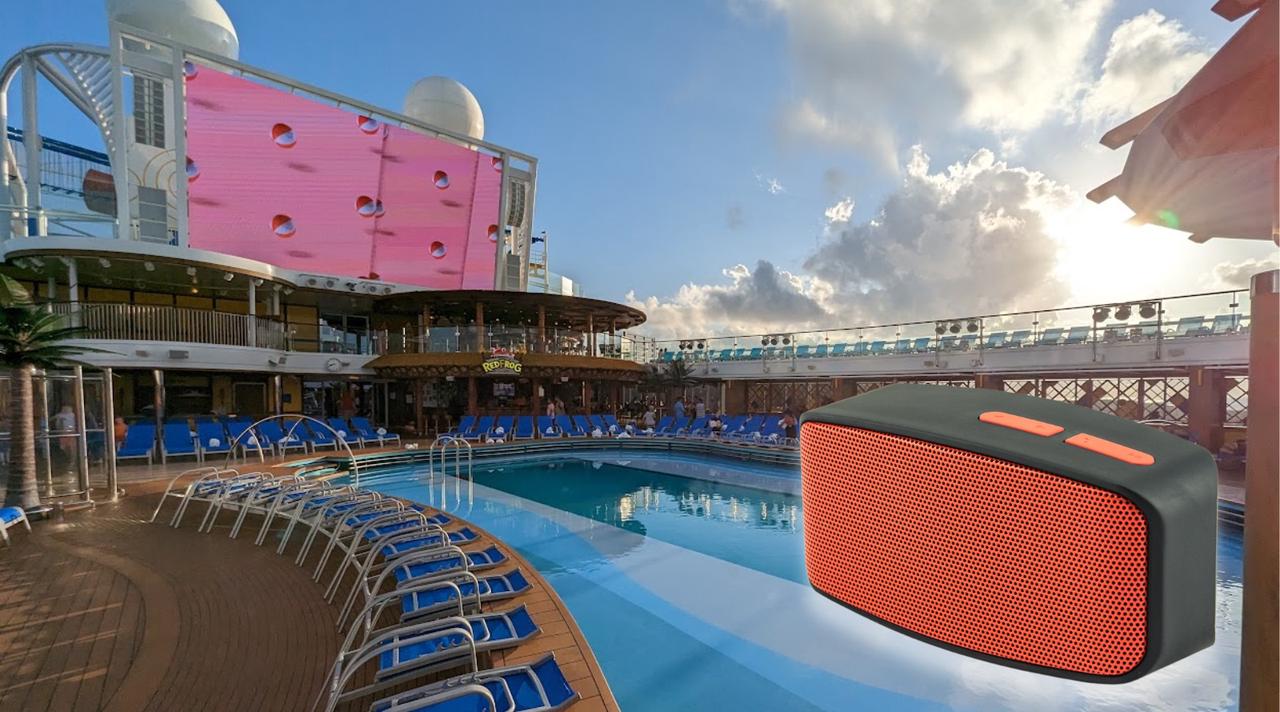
1036, 534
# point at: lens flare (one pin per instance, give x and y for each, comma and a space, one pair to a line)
282, 225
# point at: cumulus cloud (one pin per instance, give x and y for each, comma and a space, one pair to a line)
1148, 59
765, 298
970, 238
1236, 275
870, 71
773, 185
841, 212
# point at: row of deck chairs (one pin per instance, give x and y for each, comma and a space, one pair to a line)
271, 437
526, 427
760, 429
1053, 336
418, 591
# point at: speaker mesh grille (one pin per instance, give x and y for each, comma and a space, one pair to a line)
973, 551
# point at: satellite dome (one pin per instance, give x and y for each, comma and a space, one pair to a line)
202, 24
443, 102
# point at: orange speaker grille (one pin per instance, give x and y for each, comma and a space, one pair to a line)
976, 552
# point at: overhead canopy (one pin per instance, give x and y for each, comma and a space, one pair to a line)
1205, 160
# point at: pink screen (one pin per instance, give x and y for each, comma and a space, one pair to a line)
296, 183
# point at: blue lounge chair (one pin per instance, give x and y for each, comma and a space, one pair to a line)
746, 429
177, 442
598, 422
611, 424
348, 433
756, 353
213, 438
996, 340
675, 426
401, 653
139, 442
802, 351
967, 341
1018, 338
317, 435
584, 425
369, 434
697, 426
668, 356
876, 348
820, 351
274, 437
12, 517
862, 349
435, 595
947, 342
568, 427
1050, 337
547, 427
538, 687
1077, 335
839, 349
480, 428
1147, 330
446, 561
902, 346
463, 427
921, 344
504, 426
725, 355
524, 428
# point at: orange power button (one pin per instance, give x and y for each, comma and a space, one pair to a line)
1017, 422
1110, 449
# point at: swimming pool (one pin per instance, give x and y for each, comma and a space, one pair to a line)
692, 594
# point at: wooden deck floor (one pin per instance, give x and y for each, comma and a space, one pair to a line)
105, 611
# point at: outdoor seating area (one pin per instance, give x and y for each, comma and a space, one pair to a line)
1186, 327
415, 605
750, 429
240, 436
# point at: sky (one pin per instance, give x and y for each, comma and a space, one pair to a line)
739, 166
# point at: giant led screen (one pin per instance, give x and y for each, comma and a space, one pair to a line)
296, 183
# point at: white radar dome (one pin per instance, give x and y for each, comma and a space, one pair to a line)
202, 24
443, 102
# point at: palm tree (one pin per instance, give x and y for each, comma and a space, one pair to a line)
29, 339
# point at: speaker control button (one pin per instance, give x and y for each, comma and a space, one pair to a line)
1017, 422
1110, 449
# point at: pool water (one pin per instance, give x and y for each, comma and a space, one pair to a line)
692, 595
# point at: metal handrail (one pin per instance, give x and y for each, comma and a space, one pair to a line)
445, 442
144, 322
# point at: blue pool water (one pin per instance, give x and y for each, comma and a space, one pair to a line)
692, 594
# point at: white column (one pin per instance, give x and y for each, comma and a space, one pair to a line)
109, 418
73, 291
253, 312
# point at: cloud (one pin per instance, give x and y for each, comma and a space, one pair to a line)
773, 185
1148, 59
971, 238
841, 212
765, 298
1237, 275
869, 72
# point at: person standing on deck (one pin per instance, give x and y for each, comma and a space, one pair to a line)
679, 409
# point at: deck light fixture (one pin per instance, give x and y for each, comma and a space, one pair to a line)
1100, 314
1123, 312
973, 326
1147, 310
149, 266
106, 263
227, 276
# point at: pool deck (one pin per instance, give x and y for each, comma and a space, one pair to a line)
102, 610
